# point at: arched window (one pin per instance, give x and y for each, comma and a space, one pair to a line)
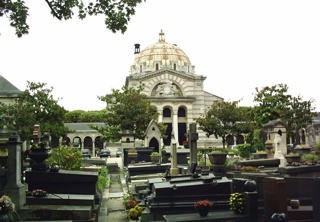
174, 66
166, 112
157, 66
181, 112
140, 68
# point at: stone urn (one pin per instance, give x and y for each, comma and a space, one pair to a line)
38, 157
217, 157
133, 154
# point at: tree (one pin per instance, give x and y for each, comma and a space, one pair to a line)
220, 120
81, 116
275, 103
300, 116
33, 106
127, 110
117, 13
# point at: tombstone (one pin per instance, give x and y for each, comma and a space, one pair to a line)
275, 196
13, 188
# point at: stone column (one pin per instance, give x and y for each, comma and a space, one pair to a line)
93, 148
175, 125
193, 137
14, 188
174, 171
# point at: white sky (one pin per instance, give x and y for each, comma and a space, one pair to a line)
238, 45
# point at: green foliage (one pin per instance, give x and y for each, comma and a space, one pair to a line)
102, 178
117, 13
245, 150
257, 143
81, 116
309, 158
219, 120
128, 109
275, 103
154, 154
317, 146
35, 105
66, 158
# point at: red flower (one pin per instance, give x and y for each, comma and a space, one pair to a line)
202, 204
131, 203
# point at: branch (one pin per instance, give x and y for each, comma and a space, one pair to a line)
53, 11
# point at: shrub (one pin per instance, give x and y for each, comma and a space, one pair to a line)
102, 178
245, 150
66, 158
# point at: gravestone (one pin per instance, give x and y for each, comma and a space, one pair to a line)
275, 196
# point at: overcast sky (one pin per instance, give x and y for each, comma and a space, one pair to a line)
238, 45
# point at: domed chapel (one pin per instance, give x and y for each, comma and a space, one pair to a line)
171, 83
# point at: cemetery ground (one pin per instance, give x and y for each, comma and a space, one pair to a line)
114, 194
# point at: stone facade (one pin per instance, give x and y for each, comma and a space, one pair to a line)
172, 85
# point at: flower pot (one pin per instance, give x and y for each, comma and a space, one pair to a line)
203, 212
217, 158
155, 159
291, 159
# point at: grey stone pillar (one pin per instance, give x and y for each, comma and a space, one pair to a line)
193, 137
14, 188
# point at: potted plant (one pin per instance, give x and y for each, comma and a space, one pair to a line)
135, 213
237, 202
203, 207
155, 157
129, 201
292, 157
309, 158
217, 157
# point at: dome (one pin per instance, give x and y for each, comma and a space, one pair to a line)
159, 56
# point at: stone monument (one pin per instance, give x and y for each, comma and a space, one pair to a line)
13, 188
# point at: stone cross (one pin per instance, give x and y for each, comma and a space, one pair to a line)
277, 152
193, 137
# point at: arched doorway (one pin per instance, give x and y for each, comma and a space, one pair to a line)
154, 143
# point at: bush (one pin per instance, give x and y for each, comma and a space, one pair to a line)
245, 150
66, 158
102, 178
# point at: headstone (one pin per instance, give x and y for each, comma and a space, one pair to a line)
275, 196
